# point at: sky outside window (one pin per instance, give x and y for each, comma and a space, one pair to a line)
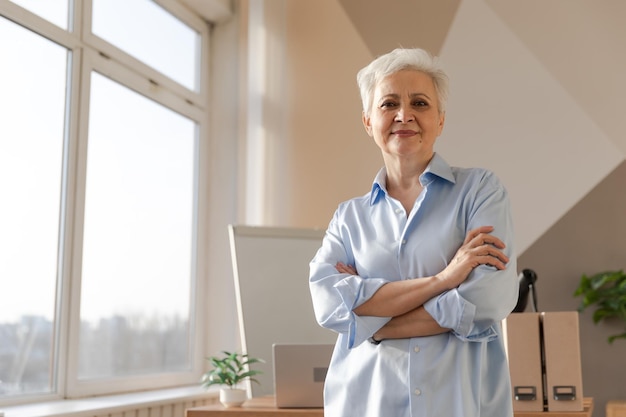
149, 33
138, 230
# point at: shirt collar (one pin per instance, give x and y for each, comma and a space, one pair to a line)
437, 168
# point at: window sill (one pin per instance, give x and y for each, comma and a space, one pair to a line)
88, 407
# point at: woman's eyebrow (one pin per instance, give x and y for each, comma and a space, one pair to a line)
396, 95
420, 95
389, 95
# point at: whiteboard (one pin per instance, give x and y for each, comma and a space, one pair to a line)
271, 272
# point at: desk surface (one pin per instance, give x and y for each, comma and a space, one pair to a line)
254, 407
265, 406
587, 411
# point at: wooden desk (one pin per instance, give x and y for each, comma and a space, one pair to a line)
587, 411
264, 407
254, 407
616, 408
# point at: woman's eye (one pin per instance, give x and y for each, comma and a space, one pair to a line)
387, 104
420, 103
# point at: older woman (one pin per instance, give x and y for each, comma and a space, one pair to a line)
416, 275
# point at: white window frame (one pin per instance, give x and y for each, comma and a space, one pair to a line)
90, 53
199, 98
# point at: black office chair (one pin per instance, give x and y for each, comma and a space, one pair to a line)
527, 280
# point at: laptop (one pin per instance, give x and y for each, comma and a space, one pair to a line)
299, 374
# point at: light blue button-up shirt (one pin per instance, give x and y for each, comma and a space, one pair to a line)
461, 373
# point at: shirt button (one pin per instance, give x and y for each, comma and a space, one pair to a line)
399, 211
417, 391
416, 349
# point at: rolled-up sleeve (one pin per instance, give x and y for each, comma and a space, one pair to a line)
473, 309
335, 295
488, 295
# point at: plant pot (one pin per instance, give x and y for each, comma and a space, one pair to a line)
233, 397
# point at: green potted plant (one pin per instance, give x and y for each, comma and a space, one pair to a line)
607, 291
229, 370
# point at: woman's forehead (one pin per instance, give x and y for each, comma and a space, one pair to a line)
416, 82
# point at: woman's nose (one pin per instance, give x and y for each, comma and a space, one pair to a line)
404, 114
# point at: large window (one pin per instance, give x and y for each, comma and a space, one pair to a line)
32, 106
100, 140
137, 238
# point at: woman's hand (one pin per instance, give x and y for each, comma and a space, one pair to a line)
479, 248
345, 269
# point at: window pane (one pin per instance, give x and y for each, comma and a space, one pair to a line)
138, 239
146, 31
56, 11
32, 108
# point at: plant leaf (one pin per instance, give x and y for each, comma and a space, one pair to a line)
611, 339
229, 369
607, 291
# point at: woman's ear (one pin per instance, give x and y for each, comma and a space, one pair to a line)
367, 123
442, 120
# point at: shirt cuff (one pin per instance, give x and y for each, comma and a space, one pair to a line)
363, 327
354, 291
452, 311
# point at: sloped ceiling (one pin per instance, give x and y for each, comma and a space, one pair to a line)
388, 24
585, 46
585, 50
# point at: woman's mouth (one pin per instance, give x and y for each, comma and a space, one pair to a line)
405, 133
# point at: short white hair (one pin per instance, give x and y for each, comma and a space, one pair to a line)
397, 60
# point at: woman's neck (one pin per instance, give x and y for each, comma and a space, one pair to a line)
404, 173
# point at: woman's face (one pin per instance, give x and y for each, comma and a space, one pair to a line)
405, 119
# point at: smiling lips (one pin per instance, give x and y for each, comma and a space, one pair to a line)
405, 133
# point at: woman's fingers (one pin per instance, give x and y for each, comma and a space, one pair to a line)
474, 233
482, 236
492, 249
479, 248
487, 239
345, 269
493, 257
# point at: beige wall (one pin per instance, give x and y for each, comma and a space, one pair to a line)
524, 102
331, 156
